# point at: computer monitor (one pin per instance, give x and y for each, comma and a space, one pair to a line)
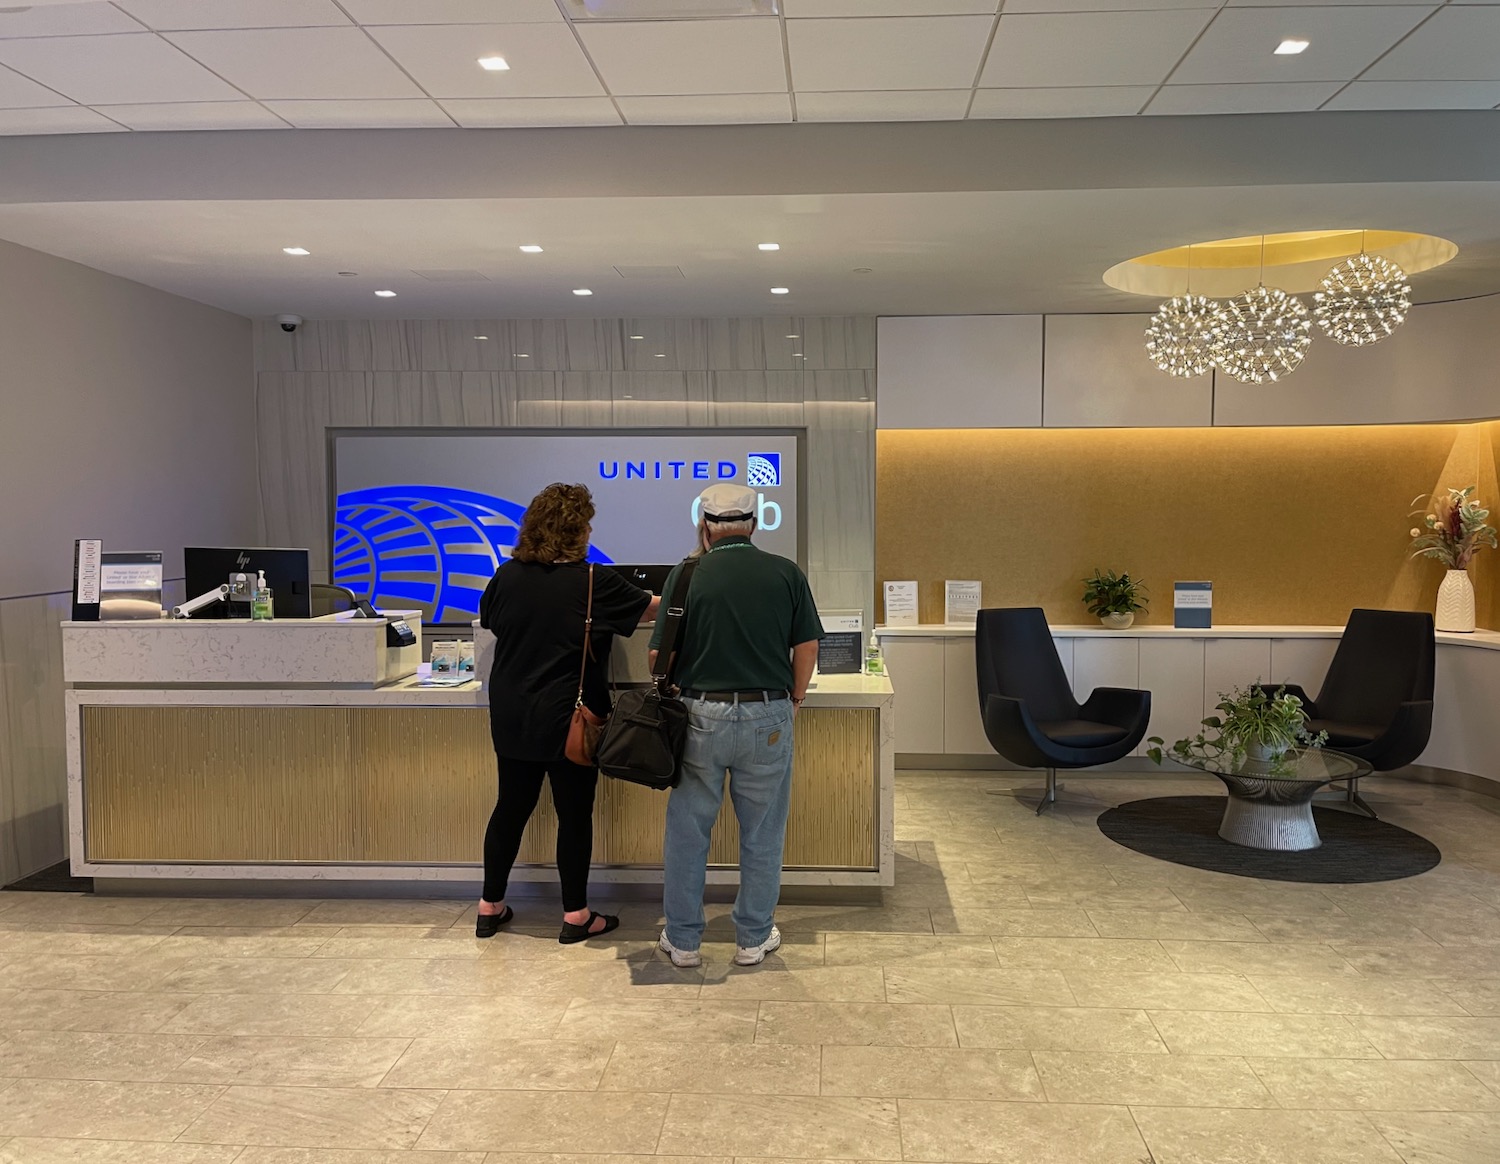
651, 578
288, 574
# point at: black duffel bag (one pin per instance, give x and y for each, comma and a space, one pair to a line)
642, 741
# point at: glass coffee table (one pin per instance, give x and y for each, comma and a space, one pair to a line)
1270, 802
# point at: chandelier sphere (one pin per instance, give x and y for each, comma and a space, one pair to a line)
1362, 300
1181, 337
1266, 336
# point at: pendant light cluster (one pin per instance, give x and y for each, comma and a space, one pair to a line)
1264, 333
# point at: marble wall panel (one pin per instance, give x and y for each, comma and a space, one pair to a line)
581, 373
33, 764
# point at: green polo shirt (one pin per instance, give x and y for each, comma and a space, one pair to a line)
746, 610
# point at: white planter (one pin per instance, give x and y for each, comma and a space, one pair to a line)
1264, 753
1121, 621
1455, 602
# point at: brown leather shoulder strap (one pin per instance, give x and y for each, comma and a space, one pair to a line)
588, 637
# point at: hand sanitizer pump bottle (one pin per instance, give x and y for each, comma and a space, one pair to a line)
261, 609
874, 660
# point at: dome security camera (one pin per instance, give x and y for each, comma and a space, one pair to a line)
289, 323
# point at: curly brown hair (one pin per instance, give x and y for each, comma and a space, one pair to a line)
555, 527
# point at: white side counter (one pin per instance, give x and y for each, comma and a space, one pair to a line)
932, 669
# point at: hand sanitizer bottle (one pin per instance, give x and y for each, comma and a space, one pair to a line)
261, 609
874, 660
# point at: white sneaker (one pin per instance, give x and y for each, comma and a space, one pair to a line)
755, 955
682, 959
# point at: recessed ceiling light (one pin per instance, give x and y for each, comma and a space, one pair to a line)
386, 294
481, 337
531, 249
769, 246
798, 356
523, 355
1291, 46
637, 337
626, 396
794, 337
781, 290
295, 251
493, 64
661, 355
582, 291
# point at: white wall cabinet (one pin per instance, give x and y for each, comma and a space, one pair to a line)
1172, 670
959, 371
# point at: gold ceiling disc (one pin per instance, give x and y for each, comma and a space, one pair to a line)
1294, 262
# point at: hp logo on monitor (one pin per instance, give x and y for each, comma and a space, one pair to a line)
763, 469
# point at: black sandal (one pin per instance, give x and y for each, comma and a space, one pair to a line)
581, 933
487, 925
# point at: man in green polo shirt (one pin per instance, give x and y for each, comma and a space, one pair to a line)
745, 655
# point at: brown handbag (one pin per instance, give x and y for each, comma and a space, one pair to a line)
585, 726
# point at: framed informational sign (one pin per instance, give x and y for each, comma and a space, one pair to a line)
130, 584
86, 564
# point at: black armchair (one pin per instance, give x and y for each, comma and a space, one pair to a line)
1376, 700
327, 599
1030, 714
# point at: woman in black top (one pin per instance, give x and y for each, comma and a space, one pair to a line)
535, 606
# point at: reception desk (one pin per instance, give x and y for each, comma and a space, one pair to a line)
932, 669
307, 751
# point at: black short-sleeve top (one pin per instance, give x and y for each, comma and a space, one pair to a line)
536, 613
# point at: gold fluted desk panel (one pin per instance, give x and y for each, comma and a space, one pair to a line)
200, 784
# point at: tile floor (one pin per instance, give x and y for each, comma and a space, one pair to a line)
1028, 992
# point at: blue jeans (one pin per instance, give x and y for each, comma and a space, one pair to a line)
752, 742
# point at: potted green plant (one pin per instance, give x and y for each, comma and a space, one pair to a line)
1452, 533
1255, 723
1114, 598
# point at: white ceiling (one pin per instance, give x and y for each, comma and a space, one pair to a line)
895, 253
77, 67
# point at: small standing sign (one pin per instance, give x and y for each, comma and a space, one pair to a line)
901, 604
841, 649
87, 555
1193, 605
961, 603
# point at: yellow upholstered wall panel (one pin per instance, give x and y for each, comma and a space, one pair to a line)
1292, 525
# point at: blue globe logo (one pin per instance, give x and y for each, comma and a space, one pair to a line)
762, 469
426, 546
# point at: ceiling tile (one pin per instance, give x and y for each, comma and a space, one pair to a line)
68, 119
902, 105
720, 109
678, 57
545, 60
533, 111
1457, 44
176, 15
1081, 101
194, 115
1287, 97
18, 92
387, 114
114, 70
1013, 7
453, 11
801, 9
1089, 48
919, 52
291, 63
1418, 95
1239, 45
64, 20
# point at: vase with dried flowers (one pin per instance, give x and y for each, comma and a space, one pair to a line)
1454, 528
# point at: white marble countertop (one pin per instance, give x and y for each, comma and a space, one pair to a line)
1485, 639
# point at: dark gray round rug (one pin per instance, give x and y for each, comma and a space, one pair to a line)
1185, 831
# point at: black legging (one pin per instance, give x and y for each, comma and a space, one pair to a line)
572, 795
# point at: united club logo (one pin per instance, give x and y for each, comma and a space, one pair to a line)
762, 469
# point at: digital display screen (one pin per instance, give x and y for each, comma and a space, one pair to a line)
423, 518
